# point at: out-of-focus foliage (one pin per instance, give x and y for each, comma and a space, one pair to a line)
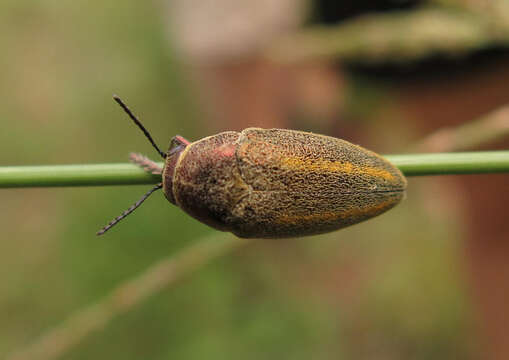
388, 289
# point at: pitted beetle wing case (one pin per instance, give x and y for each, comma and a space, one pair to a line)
283, 183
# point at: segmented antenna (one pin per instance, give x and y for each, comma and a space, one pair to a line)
137, 122
130, 210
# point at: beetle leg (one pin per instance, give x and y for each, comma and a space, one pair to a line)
145, 163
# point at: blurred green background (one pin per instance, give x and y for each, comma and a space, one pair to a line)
396, 287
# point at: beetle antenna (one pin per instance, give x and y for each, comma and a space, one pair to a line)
130, 210
137, 122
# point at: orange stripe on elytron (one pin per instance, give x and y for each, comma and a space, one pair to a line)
331, 216
295, 163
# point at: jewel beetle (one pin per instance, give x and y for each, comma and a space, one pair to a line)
272, 183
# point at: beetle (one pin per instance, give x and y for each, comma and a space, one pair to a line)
271, 183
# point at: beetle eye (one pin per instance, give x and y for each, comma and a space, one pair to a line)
177, 144
175, 147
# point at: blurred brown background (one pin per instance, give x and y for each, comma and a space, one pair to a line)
430, 279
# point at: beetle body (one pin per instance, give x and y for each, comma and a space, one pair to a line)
272, 183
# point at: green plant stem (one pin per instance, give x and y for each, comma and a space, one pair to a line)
75, 175
481, 162
129, 174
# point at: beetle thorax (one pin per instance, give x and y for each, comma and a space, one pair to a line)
175, 150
